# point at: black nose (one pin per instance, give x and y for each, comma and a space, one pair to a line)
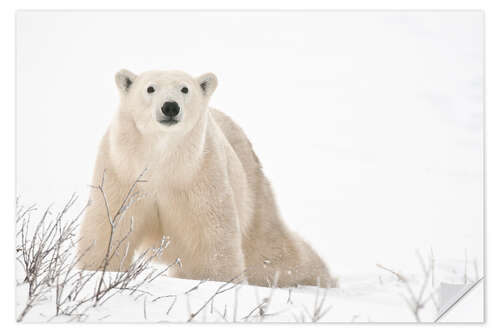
170, 109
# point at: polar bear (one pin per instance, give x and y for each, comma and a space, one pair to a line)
205, 190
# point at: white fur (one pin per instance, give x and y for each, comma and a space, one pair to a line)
205, 190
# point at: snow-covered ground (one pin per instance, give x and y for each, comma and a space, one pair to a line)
380, 298
368, 125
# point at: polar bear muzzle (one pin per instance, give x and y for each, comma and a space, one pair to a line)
170, 111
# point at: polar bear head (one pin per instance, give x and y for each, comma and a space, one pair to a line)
169, 101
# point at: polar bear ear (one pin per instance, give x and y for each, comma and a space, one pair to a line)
124, 80
208, 83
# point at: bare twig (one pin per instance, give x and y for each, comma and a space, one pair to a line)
399, 276
415, 299
226, 286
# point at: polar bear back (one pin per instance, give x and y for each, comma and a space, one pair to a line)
238, 140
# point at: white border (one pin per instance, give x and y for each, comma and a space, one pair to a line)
7, 132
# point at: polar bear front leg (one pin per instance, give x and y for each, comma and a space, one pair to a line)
219, 259
205, 234
225, 259
113, 227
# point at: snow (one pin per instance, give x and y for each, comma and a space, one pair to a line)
361, 302
368, 124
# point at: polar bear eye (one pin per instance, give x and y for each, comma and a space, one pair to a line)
184, 90
151, 90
